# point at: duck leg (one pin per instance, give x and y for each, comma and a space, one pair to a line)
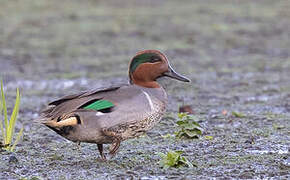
79, 146
115, 146
116, 141
100, 148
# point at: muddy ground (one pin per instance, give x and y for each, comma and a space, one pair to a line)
235, 52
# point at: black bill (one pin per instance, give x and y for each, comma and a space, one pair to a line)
171, 73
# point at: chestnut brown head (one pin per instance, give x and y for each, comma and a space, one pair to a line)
149, 65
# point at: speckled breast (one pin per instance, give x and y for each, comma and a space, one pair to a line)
139, 127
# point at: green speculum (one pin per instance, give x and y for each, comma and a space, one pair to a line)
99, 105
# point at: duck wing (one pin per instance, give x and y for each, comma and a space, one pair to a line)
86, 100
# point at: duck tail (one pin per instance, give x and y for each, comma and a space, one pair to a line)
41, 120
58, 124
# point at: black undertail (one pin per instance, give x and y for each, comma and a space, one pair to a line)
63, 131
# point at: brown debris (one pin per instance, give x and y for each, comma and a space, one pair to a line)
186, 109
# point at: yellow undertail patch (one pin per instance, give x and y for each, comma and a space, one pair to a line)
66, 122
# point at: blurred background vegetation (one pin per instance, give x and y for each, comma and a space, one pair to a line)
91, 38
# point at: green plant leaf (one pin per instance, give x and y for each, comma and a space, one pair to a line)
182, 115
181, 122
208, 137
4, 112
185, 161
20, 133
196, 124
1, 123
192, 133
167, 136
13, 118
8, 128
238, 114
2, 131
174, 159
1, 106
188, 127
191, 117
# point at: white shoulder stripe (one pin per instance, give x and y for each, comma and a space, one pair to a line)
99, 113
149, 100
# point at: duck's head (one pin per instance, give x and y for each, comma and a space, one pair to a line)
149, 65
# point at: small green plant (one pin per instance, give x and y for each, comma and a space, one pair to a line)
188, 127
208, 137
174, 159
168, 136
238, 114
7, 129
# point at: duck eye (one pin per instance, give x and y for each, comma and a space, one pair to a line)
154, 59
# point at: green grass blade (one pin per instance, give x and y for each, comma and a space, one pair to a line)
2, 131
13, 118
17, 139
1, 106
1, 123
4, 112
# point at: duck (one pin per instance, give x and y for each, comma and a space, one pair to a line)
110, 115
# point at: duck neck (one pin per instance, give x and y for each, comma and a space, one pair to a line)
147, 84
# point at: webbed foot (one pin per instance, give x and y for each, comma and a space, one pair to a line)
100, 148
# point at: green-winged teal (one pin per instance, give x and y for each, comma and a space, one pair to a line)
112, 114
